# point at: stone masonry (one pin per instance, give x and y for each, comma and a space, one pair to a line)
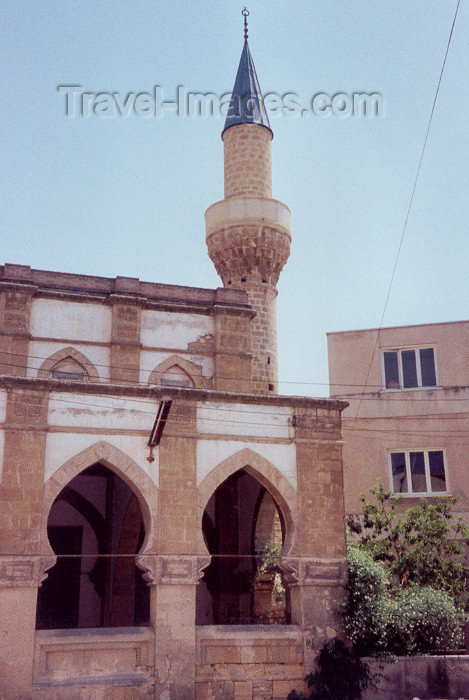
248, 239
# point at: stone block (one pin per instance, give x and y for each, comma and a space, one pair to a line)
262, 690
281, 689
242, 690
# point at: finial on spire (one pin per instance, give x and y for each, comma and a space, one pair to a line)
245, 14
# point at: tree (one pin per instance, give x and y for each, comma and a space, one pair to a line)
425, 544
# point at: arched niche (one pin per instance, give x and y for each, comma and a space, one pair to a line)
129, 471
68, 363
177, 371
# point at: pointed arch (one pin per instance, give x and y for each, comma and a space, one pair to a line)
73, 354
193, 371
119, 462
267, 474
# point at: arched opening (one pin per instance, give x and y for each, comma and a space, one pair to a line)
95, 527
244, 531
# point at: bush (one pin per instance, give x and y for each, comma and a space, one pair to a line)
426, 544
423, 620
381, 619
341, 675
366, 612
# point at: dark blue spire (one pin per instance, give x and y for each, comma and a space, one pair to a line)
247, 105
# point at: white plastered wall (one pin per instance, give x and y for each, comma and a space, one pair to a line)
51, 318
163, 329
245, 421
87, 419
210, 453
41, 350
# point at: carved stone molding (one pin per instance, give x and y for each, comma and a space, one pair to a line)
172, 568
19, 571
178, 569
45, 563
320, 571
290, 571
148, 563
202, 563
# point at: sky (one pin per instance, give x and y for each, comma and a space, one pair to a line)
126, 195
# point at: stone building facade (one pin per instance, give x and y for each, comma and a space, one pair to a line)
407, 422
147, 461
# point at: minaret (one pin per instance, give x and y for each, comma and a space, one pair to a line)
248, 232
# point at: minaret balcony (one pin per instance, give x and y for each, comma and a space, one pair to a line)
247, 211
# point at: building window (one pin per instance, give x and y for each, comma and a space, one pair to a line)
408, 369
69, 376
419, 472
70, 370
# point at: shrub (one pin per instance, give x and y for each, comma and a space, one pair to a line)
341, 675
381, 619
423, 620
366, 612
426, 544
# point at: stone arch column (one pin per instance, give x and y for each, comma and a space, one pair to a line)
230, 577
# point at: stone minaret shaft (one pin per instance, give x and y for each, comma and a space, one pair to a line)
248, 232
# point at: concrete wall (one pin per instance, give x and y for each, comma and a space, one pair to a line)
351, 352
425, 677
380, 420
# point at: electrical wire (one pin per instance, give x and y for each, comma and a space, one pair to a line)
313, 426
342, 396
410, 203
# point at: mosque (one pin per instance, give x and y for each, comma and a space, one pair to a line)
171, 527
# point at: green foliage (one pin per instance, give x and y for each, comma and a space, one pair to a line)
423, 620
381, 619
366, 612
269, 557
340, 675
425, 544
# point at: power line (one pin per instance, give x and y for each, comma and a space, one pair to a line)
378, 387
410, 202
313, 426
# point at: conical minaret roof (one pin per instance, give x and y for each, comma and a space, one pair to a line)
247, 104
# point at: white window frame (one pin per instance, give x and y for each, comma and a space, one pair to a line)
399, 351
410, 493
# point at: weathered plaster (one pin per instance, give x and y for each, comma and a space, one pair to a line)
210, 453
60, 448
51, 318
168, 330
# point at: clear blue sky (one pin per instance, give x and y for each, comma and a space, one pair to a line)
126, 196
